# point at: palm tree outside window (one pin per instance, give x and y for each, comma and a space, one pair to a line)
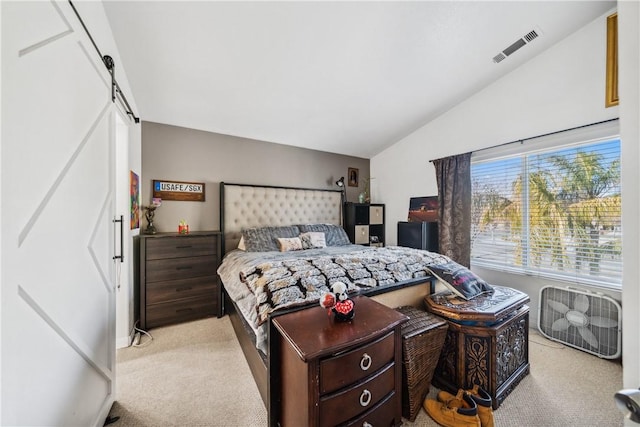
552, 210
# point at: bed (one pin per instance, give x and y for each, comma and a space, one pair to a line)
251, 276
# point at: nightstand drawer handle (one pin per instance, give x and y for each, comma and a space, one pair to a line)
365, 362
365, 397
186, 288
366, 424
184, 310
183, 247
187, 267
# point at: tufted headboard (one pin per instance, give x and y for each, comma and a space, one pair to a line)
243, 206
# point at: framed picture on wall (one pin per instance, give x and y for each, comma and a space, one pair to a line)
134, 194
612, 61
353, 177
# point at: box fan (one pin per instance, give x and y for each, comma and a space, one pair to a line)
588, 321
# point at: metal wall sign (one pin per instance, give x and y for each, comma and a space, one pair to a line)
178, 190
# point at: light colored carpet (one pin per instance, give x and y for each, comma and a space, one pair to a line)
194, 374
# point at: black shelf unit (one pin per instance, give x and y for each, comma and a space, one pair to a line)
364, 223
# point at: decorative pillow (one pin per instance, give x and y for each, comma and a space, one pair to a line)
241, 245
263, 239
313, 239
334, 234
289, 244
462, 281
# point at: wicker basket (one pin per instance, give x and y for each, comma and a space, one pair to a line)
423, 336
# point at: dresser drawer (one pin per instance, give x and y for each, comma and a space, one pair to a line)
182, 246
180, 311
383, 414
181, 268
171, 290
347, 368
342, 406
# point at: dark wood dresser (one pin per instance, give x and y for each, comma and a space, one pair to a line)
340, 373
176, 277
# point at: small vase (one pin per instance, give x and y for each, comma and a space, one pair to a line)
361, 197
151, 229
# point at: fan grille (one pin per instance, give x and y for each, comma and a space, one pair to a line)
603, 341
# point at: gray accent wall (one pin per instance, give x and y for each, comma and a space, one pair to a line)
175, 153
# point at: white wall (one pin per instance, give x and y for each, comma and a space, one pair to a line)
629, 69
127, 159
126, 310
96, 21
561, 88
1, 257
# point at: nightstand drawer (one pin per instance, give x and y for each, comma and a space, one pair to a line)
383, 414
340, 407
181, 246
180, 311
181, 268
158, 292
347, 368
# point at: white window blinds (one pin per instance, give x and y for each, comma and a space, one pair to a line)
551, 207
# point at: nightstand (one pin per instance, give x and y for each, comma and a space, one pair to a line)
335, 373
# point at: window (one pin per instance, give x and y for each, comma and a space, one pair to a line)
551, 207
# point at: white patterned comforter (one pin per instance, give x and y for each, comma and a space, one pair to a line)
263, 282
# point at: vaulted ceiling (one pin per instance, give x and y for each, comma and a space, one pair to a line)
343, 77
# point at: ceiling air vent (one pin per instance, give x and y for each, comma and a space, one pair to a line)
527, 38
499, 57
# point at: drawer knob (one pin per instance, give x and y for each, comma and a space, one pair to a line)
366, 424
365, 397
365, 362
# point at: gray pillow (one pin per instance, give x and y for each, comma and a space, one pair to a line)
264, 239
334, 234
460, 280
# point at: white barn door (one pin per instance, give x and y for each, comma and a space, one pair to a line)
58, 238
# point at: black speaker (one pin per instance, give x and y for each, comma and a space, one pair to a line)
418, 235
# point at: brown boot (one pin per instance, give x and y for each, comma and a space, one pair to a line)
480, 396
450, 415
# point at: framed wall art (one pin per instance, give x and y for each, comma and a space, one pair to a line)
353, 175
612, 61
134, 194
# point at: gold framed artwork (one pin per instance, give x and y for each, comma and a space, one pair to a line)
353, 177
611, 97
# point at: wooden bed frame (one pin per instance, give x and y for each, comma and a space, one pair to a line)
245, 205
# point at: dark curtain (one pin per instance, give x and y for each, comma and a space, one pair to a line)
453, 175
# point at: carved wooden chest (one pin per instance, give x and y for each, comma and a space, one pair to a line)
487, 341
